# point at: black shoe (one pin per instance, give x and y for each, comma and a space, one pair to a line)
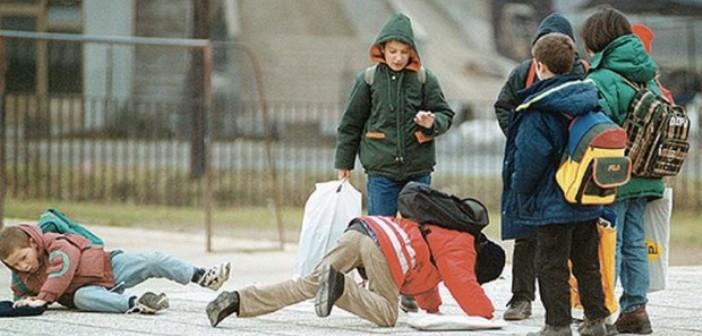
224, 305
518, 310
593, 328
408, 304
331, 287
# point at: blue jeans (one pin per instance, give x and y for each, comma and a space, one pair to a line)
131, 269
383, 193
631, 255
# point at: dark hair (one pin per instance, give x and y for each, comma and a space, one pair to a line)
603, 27
491, 260
556, 51
11, 239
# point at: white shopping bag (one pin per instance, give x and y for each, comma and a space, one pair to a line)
657, 228
328, 211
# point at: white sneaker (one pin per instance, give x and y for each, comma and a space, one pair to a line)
216, 276
149, 303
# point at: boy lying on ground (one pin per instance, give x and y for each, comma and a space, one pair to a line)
66, 268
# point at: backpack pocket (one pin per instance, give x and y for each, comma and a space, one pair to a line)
611, 172
669, 158
601, 179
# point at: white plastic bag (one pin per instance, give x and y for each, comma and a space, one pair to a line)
657, 228
435, 322
328, 211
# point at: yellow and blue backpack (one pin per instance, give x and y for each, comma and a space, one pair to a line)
594, 163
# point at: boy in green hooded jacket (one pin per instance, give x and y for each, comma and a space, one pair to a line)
395, 111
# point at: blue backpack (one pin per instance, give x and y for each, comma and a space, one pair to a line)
56, 221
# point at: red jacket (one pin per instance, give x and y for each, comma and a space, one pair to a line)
66, 263
408, 255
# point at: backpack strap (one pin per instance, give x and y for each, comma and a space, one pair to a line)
531, 75
425, 231
369, 74
635, 86
422, 75
369, 78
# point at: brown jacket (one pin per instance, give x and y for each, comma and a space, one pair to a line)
66, 263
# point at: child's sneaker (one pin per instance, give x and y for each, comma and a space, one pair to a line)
331, 287
216, 276
149, 303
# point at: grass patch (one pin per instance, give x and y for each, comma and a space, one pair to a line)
251, 219
259, 222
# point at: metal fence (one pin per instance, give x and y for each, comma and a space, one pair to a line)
141, 154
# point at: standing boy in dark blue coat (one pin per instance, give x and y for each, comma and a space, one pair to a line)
524, 253
536, 141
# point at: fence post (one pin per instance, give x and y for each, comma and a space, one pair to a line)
206, 102
3, 177
201, 30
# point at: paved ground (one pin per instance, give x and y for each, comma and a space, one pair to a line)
675, 311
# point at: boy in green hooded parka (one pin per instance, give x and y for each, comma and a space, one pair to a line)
392, 121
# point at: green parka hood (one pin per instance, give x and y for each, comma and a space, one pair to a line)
398, 28
626, 56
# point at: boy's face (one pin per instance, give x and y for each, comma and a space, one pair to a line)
24, 260
396, 54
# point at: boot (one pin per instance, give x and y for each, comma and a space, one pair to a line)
224, 305
548, 330
518, 310
593, 328
634, 322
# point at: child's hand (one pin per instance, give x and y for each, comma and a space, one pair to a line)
424, 119
344, 174
29, 302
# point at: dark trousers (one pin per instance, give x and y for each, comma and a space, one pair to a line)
524, 269
555, 244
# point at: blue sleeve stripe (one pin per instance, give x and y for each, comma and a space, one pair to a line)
64, 267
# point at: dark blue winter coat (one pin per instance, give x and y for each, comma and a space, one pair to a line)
536, 141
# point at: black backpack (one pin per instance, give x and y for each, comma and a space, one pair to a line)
425, 205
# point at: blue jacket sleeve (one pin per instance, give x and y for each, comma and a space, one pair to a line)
534, 152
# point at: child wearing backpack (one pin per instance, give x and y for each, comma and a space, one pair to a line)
619, 57
532, 197
523, 255
399, 258
67, 268
395, 110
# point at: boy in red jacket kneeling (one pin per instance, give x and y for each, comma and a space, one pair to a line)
398, 258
